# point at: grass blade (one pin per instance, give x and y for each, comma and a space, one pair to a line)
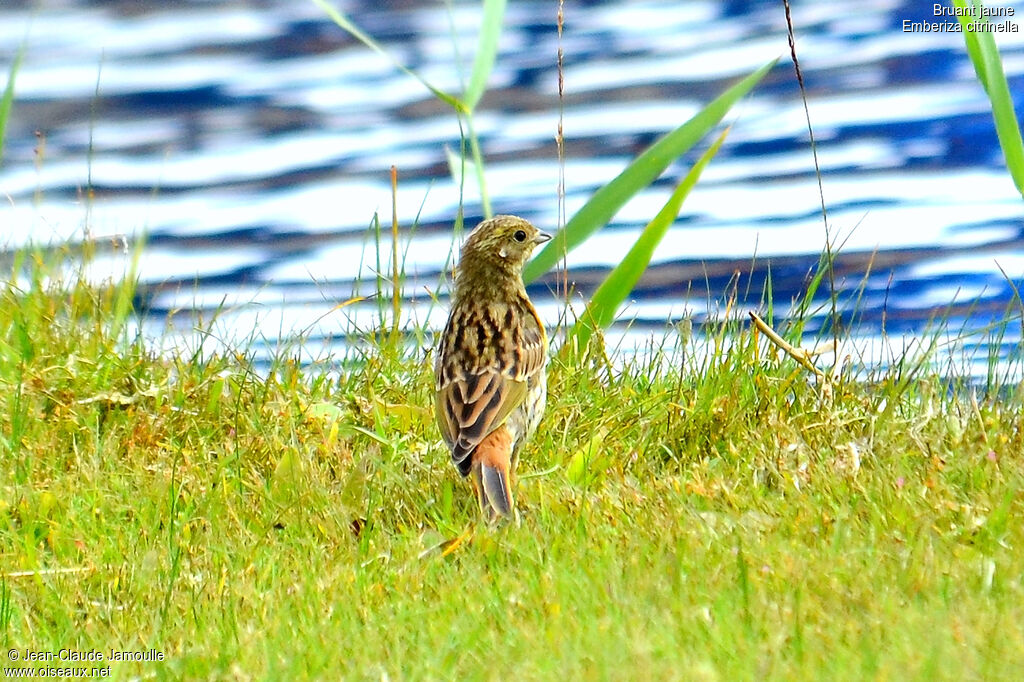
7, 101
346, 24
638, 175
459, 166
490, 29
123, 303
981, 47
616, 287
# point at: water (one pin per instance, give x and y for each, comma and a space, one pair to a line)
251, 142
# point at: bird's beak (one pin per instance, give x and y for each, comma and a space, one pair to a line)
541, 238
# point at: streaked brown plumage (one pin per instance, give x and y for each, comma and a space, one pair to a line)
489, 373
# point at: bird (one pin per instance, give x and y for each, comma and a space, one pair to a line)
490, 382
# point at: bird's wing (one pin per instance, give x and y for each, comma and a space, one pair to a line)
473, 400
471, 408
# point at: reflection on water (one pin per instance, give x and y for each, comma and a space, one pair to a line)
251, 141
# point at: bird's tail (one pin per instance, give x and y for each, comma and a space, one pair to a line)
492, 473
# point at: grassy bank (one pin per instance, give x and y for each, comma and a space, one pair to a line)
721, 522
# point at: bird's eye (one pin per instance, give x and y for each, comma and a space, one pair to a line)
519, 236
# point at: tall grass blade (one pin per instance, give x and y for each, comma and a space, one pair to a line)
396, 267
613, 291
494, 13
7, 101
981, 47
459, 166
123, 307
478, 164
346, 24
802, 307
645, 168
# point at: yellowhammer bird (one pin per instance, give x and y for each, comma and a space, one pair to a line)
489, 372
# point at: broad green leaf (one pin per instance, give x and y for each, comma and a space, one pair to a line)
981, 47
601, 309
216, 393
487, 50
346, 24
645, 168
286, 480
368, 433
325, 410
8, 97
587, 464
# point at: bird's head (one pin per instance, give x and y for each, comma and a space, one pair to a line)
502, 244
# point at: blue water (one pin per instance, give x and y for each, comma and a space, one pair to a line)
251, 143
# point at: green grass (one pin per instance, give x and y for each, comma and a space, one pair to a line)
693, 516
720, 522
7, 98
